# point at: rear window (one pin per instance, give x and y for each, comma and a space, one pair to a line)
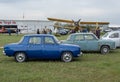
79, 37
35, 40
89, 37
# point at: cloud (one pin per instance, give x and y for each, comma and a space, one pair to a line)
11, 1
87, 10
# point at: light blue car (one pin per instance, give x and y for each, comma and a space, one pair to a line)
89, 42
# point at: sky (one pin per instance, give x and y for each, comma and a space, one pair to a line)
86, 10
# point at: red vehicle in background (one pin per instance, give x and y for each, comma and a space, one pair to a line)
7, 29
3, 30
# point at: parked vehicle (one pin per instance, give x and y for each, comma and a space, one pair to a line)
41, 46
6, 30
108, 30
89, 42
114, 36
62, 32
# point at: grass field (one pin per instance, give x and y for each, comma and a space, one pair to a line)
91, 67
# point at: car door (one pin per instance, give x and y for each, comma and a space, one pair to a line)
51, 48
79, 40
91, 42
35, 47
115, 37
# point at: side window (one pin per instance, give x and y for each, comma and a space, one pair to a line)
79, 37
115, 35
49, 40
35, 40
89, 37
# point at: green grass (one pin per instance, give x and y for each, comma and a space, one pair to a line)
91, 67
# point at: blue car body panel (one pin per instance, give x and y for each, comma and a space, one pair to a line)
42, 50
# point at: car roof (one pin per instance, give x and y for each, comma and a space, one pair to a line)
114, 32
82, 33
38, 35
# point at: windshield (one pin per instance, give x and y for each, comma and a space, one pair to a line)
69, 37
56, 39
21, 39
105, 35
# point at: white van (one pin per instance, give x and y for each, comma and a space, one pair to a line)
114, 36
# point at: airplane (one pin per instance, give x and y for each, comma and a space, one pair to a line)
75, 26
78, 25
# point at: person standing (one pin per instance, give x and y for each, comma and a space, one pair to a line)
98, 32
38, 31
9, 31
44, 31
17, 30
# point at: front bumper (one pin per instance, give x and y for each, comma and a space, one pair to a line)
80, 54
4, 53
113, 48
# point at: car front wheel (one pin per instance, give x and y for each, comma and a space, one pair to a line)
66, 57
104, 50
20, 57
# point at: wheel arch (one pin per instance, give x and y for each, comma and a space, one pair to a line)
20, 52
66, 51
104, 49
105, 45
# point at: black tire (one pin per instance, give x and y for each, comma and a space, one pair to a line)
20, 57
66, 57
104, 50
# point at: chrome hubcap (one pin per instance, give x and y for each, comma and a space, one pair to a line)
20, 57
105, 50
67, 57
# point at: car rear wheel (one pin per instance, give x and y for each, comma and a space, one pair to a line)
104, 50
66, 57
20, 57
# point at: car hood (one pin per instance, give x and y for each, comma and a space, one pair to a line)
105, 40
11, 44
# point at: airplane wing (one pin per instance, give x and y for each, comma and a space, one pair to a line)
60, 20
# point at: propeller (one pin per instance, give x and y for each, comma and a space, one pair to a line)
76, 23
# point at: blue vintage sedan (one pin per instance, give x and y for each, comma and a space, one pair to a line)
89, 42
41, 46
